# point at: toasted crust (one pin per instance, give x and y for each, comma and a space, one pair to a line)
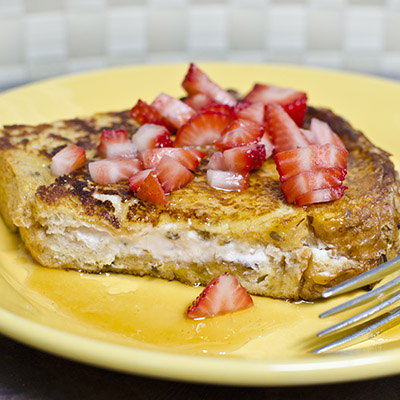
273, 248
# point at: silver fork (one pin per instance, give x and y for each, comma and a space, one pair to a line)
380, 322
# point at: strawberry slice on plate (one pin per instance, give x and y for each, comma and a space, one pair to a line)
151, 190
113, 170
293, 162
202, 129
227, 180
151, 135
172, 109
222, 295
285, 134
172, 174
245, 158
240, 132
144, 113
321, 196
196, 81
67, 160
308, 181
114, 143
294, 102
189, 158
321, 133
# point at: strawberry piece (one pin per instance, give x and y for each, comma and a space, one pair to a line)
286, 135
217, 162
151, 190
269, 147
172, 174
222, 108
245, 158
114, 143
172, 109
222, 295
202, 129
196, 81
308, 181
239, 133
293, 162
67, 160
136, 180
321, 196
253, 111
321, 133
113, 170
198, 101
292, 101
227, 180
189, 158
151, 135
143, 113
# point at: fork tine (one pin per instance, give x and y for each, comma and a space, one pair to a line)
360, 299
367, 332
364, 279
359, 317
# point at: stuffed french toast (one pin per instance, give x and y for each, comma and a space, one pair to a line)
287, 198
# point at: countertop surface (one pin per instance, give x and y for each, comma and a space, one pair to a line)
29, 374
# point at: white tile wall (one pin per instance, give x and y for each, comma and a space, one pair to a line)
42, 38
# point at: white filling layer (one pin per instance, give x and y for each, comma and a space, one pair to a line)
171, 243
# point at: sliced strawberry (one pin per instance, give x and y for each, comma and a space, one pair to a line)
293, 101
202, 129
114, 143
321, 133
222, 108
245, 158
293, 162
227, 180
113, 170
222, 295
321, 196
217, 162
240, 132
189, 158
143, 113
172, 174
269, 147
136, 180
286, 135
308, 181
172, 109
151, 190
198, 101
67, 160
149, 136
253, 111
196, 81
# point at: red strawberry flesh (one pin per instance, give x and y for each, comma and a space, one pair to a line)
222, 295
67, 160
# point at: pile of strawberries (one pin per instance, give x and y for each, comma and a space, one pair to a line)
168, 146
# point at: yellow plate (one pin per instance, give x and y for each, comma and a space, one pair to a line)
137, 325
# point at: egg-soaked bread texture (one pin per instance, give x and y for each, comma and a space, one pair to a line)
273, 248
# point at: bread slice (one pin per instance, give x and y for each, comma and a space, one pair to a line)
273, 248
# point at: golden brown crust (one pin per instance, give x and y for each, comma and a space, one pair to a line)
353, 234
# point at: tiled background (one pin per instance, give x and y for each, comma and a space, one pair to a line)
42, 38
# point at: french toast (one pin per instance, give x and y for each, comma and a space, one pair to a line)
274, 248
